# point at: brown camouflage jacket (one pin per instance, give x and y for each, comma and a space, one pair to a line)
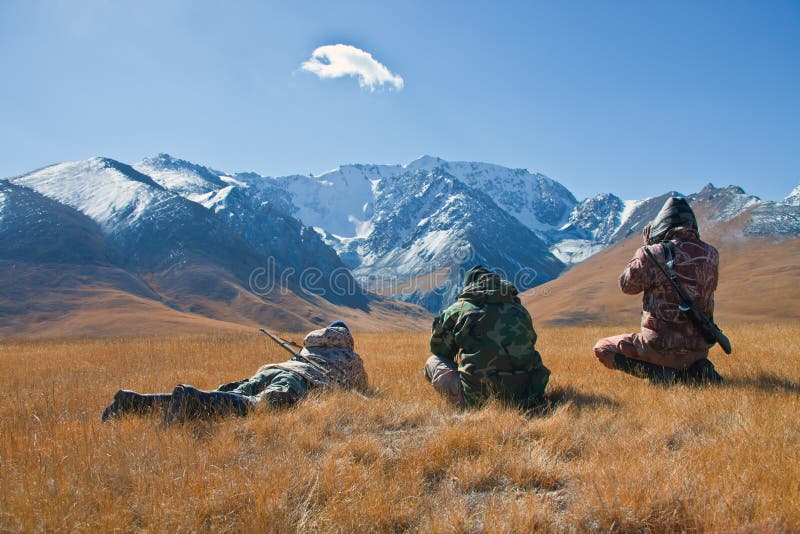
327, 359
664, 327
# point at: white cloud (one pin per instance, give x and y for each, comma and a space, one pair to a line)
335, 61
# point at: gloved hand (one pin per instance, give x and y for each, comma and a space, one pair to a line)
646, 234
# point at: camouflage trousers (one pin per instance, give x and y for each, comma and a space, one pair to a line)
636, 347
443, 375
276, 386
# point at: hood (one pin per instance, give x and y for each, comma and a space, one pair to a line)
482, 285
674, 215
329, 338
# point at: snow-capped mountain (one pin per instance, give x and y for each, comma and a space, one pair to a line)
746, 215
36, 228
367, 213
434, 235
180, 176
794, 197
603, 220
598, 222
407, 231
376, 218
341, 202
537, 201
589, 228
112, 194
207, 220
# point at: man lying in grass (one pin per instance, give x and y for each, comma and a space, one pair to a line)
326, 360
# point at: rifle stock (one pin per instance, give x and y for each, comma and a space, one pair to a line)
711, 331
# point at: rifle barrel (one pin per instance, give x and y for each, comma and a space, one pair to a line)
279, 341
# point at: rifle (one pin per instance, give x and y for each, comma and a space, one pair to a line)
279, 341
711, 332
287, 345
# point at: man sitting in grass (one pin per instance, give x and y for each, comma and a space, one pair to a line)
326, 360
670, 347
490, 334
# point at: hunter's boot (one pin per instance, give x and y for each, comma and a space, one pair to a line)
657, 374
131, 402
702, 372
189, 402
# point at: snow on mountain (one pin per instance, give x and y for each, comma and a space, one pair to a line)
35, 228
355, 208
596, 218
774, 219
571, 251
208, 187
180, 176
591, 226
214, 200
728, 202
629, 209
416, 226
598, 222
429, 227
229, 224
109, 192
150, 225
537, 201
340, 201
274, 233
794, 197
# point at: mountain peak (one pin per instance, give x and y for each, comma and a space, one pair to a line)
710, 188
180, 176
166, 161
425, 162
794, 197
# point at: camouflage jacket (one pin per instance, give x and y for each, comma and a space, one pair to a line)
664, 327
327, 359
493, 334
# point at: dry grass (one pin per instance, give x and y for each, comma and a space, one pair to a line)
612, 453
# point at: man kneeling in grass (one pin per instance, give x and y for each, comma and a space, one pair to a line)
670, 347
326, 360
491, 334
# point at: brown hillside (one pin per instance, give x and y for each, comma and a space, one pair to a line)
81, 301
758, 282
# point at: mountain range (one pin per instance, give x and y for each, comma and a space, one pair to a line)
759, 267
185, 243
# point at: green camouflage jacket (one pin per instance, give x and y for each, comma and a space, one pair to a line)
490, 333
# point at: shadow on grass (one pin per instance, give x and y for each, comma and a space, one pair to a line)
766, 382
568, 395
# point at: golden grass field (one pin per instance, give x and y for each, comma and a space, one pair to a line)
610, 454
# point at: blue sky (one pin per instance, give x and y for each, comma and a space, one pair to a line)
634, 98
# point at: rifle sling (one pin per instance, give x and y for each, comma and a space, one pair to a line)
669, 255
687, 303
